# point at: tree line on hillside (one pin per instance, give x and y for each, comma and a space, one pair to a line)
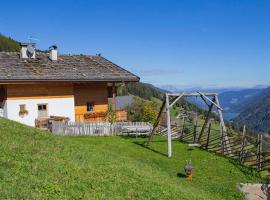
143, 90
7, 44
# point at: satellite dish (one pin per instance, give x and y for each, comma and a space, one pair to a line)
30, 50
53, 47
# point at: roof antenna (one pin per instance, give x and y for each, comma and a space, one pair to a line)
32, 39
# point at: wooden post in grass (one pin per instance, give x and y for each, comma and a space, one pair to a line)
210, 109
169, 136
157, 122
194, 133
223, 130
242, 144
208, 136
259, 151
222, 139
183, 127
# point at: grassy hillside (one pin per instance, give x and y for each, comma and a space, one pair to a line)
38, 165
257, 114
8, 44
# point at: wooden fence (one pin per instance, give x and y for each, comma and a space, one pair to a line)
240, 146
250, 150
101, 128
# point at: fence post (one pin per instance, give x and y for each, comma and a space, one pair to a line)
194, 133
259, 151
222, 139
208, 136
183, 128
243, 144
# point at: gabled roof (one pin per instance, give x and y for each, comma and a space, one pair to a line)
66, 68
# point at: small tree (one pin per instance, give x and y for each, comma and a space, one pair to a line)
149, 113
111, 114
135, 110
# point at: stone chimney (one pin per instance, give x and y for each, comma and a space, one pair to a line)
28, 50
53, 52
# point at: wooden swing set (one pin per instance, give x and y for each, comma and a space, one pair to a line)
172, 98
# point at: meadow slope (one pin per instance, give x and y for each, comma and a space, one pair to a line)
39, 165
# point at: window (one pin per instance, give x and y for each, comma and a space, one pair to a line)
90, 106
42, 110
42, 107
23, 110
22, 107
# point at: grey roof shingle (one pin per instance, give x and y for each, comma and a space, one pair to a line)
66, 68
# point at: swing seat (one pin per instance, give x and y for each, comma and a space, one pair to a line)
194, 145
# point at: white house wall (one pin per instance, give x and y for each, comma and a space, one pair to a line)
55, 106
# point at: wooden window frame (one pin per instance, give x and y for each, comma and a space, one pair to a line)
42, 104
93, 105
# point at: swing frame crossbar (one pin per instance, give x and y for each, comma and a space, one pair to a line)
168, 103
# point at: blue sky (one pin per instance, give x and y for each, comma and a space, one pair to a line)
181, 43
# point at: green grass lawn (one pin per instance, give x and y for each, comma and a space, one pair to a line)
38, 165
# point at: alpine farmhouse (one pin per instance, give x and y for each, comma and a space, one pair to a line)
36, 85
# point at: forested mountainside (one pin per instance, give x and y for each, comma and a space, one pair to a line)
237, 101
8, 44
143, 90
256, 115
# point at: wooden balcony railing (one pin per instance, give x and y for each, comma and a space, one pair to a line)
121, 115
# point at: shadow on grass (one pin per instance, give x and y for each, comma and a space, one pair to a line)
134, 137
181, 175
144, 145
159, 141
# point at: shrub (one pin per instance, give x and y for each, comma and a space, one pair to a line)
142, 110
149, 113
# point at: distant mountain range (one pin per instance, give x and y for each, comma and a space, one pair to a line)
173, 88
232, 99
237, 101
243, 106
256, 113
